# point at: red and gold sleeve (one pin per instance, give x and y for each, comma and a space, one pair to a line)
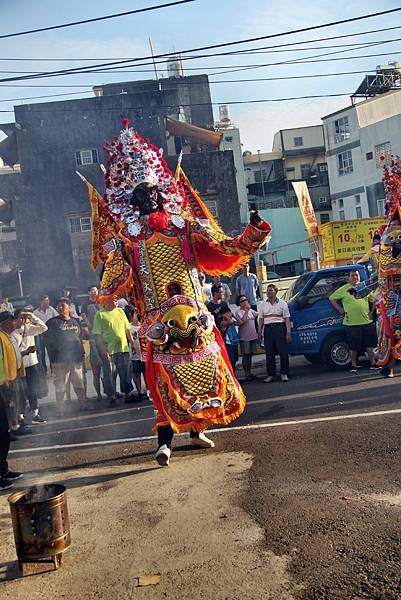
217, 254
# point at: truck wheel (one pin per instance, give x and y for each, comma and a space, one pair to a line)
335, 353
315, 359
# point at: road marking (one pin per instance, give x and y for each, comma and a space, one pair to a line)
85, 428
146, 438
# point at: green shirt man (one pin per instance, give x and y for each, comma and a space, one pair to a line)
357, 311
112, 326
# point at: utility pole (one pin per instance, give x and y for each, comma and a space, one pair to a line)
153, 59
261, 177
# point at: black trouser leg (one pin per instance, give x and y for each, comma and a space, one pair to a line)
32, 386
270, 350
165, 435
193, 434
281, 345
4, 438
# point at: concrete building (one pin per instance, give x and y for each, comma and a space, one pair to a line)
231, 140
288, 250
356, 137
50, 141
303, 154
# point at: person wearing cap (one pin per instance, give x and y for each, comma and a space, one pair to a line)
13, 367
7, 477
29, 326
64, 343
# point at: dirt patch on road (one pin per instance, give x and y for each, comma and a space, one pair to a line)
183, 522
311, 490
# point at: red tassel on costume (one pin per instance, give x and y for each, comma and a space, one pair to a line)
126, 123
136, 257
185, 250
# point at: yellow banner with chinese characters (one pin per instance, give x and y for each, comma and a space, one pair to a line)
348, 240
306, 207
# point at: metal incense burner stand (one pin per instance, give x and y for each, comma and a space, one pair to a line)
40, 523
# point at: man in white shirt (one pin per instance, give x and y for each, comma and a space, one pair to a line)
275, 326
44, 312
30, 326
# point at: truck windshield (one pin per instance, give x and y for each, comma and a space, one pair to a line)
296, 287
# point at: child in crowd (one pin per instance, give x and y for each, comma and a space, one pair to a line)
230, 334
138, 365
248, 335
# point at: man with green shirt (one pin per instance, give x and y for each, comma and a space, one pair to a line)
358, 321
112, 333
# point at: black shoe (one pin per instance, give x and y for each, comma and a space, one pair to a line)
38, 419
5, 483
12, 475
13, 438
112, 402
22, 431
133, 399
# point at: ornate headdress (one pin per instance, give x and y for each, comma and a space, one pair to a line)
133, 160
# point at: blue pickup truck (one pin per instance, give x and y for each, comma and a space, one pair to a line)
317, 330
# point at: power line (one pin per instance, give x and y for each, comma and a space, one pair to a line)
277, 48
113, 16
227, 69
249, 80
321, 39
123, 109
210, 47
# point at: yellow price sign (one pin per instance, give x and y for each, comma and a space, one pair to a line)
352, 239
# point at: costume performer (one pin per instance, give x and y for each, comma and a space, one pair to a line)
152, 233
387, 278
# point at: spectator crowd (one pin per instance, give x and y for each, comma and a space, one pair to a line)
67, 341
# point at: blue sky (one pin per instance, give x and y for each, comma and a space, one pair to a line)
201, 23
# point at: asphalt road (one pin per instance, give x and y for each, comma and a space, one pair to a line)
324, 494
312, 392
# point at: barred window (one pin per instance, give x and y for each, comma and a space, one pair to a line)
345, 164
86, 157
80, 224
341, 130
383, 150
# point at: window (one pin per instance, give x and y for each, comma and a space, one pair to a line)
322, 168
298, 141
212, 206
325, 286
383, 151
228, 139
380, 206
345, 165
357, 199
341, 130
340, 203
358, 210
80, 224
324, 218
323, 200
259, 174
369, 155
305, 171
341, 214
86, 157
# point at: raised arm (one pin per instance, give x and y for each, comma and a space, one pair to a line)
217, 254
